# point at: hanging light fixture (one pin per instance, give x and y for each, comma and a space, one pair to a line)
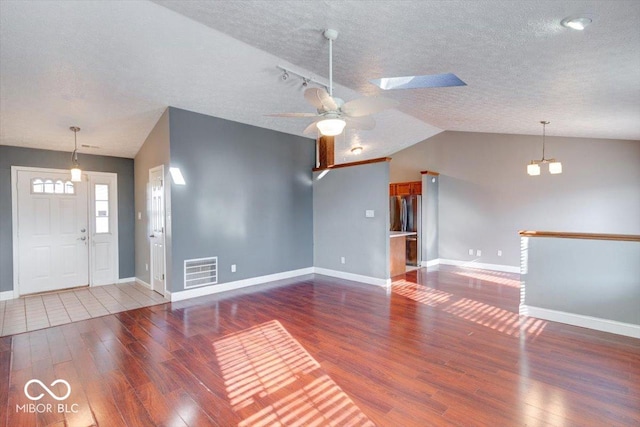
555, 167
76, 172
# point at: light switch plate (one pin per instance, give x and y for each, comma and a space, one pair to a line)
369, 213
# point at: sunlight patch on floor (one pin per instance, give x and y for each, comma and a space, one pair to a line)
488, 277
271, 379
420, 293
496, 318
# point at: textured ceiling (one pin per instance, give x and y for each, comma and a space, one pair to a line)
112, 67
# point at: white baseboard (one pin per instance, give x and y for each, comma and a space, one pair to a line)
431, 263
214, 289
605, 325
355, 277
480, 265
142, 282
7, 295
126, 280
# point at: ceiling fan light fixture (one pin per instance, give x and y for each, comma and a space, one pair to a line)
331, 127
576, 23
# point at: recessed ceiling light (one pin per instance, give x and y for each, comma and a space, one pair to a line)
576, 23
356, 150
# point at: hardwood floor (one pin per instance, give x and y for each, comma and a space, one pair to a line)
439, 348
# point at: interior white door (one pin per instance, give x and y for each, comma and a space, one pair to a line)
52, 232
156, 186
103, 226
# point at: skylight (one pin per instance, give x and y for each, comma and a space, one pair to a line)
416, 82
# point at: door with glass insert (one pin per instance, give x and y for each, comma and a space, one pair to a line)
52, 232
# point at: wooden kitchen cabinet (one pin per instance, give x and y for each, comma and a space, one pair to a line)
405, 188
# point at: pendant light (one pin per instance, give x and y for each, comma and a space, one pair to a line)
555, 167
76, 172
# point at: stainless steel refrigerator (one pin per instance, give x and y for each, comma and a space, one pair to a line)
405, 214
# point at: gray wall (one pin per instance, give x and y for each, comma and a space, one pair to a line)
486, 195
248, 197
154, 152
598, 278
340, 228
430, 191
18, 156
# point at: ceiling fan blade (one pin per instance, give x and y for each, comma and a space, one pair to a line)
320, 99
363, 123
292, 115
311, 129
369, 105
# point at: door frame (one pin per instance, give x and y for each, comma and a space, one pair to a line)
149, 224
14, 219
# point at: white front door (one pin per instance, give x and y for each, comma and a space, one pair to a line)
52, 232
156, 198
103, 226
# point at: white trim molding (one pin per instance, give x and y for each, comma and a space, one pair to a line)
7, 295
222, 287
142, 282
605, 325
126, 280
351, 276
432, 263
480, 265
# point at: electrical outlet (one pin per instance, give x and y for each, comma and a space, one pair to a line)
499, 252
233, 268
369, 213
478, 252
342, 260
470, 251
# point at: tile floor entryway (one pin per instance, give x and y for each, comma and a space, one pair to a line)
57, 308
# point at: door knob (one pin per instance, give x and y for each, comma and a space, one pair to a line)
83, 238
152, 236
82, 230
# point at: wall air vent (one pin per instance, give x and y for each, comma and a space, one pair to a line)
200, 272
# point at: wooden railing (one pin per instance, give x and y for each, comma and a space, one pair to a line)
590, 236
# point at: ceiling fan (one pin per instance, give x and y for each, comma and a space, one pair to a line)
333, 114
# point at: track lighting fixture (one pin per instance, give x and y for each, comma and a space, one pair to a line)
286, 73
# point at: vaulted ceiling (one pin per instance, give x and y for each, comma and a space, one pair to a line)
112, 67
